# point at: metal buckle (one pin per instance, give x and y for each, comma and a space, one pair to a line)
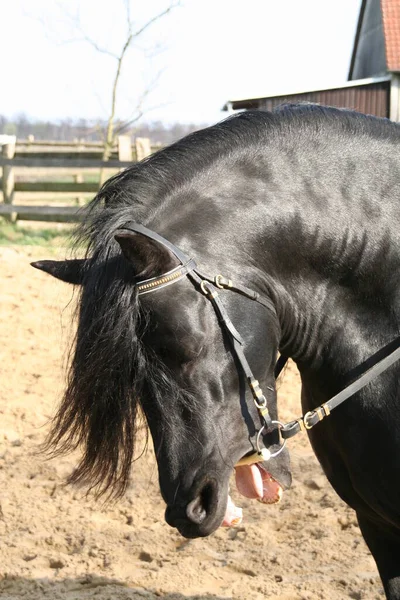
262, 403
321, 412
308, 414
203, 287
217, 281
206, 291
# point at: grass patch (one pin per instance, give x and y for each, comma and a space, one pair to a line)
12, 234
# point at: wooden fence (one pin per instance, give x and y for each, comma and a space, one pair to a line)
25, 165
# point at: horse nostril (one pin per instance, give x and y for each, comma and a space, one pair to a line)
197, 509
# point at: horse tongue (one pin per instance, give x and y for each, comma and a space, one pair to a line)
253, 481
249, 481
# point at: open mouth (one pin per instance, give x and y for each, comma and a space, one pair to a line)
252, 481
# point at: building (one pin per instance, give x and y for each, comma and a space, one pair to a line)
373, 85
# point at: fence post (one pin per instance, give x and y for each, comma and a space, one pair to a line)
78, 178
143, 148
124, 148
8, 151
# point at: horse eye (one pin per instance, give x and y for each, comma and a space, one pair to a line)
179, 356
165, 352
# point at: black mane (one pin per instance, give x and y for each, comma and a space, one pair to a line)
138, 191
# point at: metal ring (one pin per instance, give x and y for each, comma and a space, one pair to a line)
278, 451
259, 435
284, 441
258, 438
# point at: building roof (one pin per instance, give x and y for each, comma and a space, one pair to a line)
293, 96
376, 55
390, 31
391, 28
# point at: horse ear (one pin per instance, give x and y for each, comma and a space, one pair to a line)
70, 271
147, 256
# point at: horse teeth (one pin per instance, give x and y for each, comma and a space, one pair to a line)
275, 500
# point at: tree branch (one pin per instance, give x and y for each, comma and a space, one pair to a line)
154, 19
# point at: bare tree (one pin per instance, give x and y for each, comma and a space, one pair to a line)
115, 126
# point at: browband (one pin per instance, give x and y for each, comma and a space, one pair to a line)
149, 285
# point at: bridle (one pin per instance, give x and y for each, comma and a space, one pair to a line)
210, 288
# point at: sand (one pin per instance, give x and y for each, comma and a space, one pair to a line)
55, 543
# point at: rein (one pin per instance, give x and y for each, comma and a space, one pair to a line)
209, 287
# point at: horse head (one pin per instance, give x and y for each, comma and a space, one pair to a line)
187, 380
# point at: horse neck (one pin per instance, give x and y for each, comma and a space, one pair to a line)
321, 239
336, 287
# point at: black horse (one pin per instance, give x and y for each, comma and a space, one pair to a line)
302, 206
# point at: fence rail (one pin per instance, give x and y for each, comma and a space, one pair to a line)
85, 187
17, 158
72, 163
61, 214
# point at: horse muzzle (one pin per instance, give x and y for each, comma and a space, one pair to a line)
202, 515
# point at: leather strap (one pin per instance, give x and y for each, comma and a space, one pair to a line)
280, 363
137, 228
224, 282
211, 293
315, 416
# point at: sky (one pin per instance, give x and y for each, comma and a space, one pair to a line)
182, 69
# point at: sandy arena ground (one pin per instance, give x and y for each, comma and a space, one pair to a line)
57, 544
